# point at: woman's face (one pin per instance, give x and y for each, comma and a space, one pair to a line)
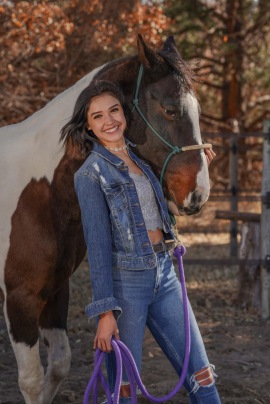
107, 120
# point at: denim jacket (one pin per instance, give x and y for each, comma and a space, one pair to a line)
113, 224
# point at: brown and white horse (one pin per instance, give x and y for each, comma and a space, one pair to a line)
41, 238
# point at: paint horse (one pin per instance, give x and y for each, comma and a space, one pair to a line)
42, 240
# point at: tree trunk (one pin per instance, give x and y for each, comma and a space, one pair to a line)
233, 66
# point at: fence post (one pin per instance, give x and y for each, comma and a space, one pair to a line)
265, 224
233, 172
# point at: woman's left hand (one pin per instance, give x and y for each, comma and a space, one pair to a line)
210, 155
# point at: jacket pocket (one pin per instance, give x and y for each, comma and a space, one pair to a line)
121, 218
116, 198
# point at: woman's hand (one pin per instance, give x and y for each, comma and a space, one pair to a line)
210, 155
107, 327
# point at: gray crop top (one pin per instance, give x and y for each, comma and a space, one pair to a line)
148, 201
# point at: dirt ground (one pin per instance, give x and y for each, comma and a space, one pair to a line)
237, 341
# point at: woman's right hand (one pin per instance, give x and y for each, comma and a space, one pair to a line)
107, 327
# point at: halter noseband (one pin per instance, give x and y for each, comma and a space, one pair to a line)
175, 149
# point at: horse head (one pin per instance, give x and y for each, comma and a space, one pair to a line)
167, 100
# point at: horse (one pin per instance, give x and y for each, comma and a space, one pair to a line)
42, 240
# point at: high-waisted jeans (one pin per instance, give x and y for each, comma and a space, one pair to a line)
153, 297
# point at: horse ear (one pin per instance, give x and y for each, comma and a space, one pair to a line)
170, 46
147, 56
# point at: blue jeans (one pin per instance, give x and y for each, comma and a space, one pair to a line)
153, 297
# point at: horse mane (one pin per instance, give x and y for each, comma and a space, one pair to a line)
181, 68
116, 62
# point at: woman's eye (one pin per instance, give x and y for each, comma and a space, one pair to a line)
115, 109
97, 116
170, 112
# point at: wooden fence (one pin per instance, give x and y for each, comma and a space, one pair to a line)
265, 225
262, 220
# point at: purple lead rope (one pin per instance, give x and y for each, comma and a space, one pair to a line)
124, 356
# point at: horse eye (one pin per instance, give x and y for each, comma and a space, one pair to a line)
170, 112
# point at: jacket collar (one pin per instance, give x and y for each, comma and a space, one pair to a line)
106, 154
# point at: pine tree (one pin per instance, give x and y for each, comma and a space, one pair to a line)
230, 39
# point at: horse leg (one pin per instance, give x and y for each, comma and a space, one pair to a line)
22, 327
53, 323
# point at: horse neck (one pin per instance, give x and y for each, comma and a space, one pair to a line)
124, 72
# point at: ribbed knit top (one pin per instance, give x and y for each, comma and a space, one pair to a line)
147, 201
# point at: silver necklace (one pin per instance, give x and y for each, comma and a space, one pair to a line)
117, 148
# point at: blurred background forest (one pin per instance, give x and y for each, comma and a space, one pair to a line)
46, 46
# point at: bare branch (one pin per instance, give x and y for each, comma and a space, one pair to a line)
203, 57
212, 85
219, 16
263, 21
200, 72
211, 118
259, 119
259, 101
217, 122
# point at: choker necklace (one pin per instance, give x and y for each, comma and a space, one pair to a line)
117, 148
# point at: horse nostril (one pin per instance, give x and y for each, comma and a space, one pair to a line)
196, 199
192, 210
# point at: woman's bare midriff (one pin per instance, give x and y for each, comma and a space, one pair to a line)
155, 236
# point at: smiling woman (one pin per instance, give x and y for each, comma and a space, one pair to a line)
129, 237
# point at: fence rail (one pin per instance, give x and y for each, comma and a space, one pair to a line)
239, 135
242, 216
248, 198
220, 261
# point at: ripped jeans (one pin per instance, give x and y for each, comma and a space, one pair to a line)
153, 297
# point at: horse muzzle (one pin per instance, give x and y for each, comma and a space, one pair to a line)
191, 205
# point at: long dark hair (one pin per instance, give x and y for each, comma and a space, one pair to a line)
76, 129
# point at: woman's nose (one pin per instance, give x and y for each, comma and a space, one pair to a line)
109, 118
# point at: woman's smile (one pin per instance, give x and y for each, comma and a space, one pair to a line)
112, 130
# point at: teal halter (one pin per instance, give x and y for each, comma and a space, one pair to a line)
175, 149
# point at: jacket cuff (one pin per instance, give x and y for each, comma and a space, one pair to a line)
102, 306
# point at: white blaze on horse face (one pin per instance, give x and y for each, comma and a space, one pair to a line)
195, 199
203, 181
31, 149
201, 193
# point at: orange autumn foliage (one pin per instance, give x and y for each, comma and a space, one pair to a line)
46, 46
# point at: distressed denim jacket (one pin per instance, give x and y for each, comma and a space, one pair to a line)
113, 224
